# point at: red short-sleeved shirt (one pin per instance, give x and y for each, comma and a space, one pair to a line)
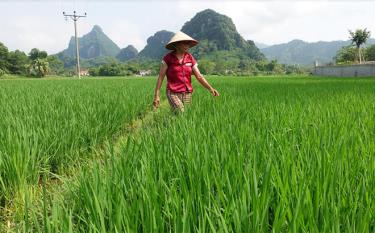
179, 74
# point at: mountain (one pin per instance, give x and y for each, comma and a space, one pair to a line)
305, 53
155, 45
217, 36
127, 53
217, 32
94, 44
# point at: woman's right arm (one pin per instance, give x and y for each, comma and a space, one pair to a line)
162, 72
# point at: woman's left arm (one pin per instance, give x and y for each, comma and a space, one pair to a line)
203, 81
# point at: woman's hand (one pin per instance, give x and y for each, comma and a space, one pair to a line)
156, 102
162, 72
214, 92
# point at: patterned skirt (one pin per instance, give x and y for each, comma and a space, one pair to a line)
178, 100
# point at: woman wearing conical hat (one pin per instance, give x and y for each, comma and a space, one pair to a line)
178, 65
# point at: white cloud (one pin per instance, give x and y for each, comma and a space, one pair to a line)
125, 33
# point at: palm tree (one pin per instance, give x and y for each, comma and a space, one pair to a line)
39, 65
358, 38
38, 68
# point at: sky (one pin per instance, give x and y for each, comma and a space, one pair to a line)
40, 24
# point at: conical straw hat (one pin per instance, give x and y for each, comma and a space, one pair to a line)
180, 36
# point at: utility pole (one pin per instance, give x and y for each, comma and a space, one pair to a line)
75, 17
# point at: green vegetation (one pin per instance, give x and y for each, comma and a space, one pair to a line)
37, 64
346, 55
349, 55
47, 126
268, 155
222, 65
18, 62
370, 53
128, 69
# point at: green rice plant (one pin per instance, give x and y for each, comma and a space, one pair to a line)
49, 125
268, 155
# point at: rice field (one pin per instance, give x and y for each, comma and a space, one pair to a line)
269, 155
47, 125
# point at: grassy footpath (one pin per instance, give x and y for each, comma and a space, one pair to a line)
271, 154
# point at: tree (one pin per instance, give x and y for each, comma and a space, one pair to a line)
37, 54
274, 67
131, 68
94, 71
206, 66
38, 68
370, 53
3, 57
346, 55
113, 69
39, 65
55, 65
358, 38
18, 62
220, 67
68, 62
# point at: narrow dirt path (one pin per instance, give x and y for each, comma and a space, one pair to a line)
138, 124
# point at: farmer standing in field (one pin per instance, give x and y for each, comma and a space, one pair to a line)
178, 66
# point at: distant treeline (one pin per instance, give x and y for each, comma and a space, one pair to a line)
35, 64
241, 68
38, 63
